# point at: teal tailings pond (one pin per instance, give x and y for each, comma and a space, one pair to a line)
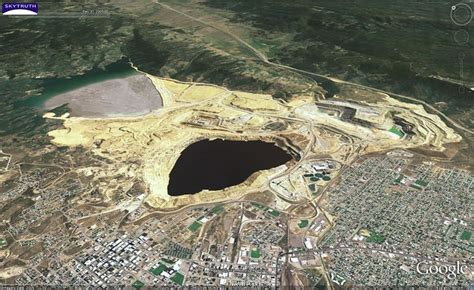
217, 164
118, 90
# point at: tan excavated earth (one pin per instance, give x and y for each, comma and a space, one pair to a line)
10, 272
196, 111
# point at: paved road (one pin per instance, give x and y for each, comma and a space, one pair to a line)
264, 58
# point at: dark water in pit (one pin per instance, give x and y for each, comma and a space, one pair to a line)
219, 164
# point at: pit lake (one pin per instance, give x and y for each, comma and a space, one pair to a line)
217, 164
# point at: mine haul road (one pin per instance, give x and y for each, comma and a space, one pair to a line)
264, 59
